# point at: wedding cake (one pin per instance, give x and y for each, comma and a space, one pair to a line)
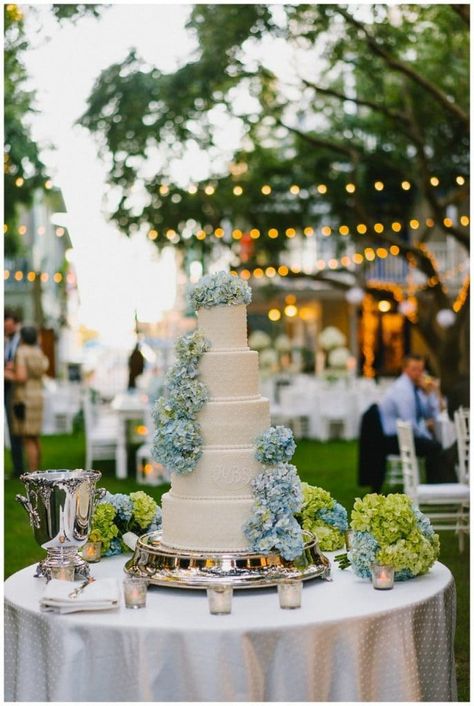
232, 487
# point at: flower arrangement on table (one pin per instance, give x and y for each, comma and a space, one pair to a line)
118, 513
391, 530
324, 517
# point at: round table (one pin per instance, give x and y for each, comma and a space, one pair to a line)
348, 642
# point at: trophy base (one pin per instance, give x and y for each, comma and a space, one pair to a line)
178, 568
57, 557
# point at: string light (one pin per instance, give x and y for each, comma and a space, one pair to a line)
48, 184
460, 180
343, 230
6, 274
192, 189
237, 234
369, 254
274, 315
326, 230
57, 277
332, 264
396, 227
18, 275
308, 232
19, 182
291, 311
237, 191
219, 232
283, 270
295, 189
378, 185
394, 249
258, 272
322, 188
361, 228
266, 189
60, 232
270, 272
255, 233
44, 277
201, 235
209, 190
22, 230
358, 258
350, 188
434, 181
245, 274
464, 220
5, 228
406, 186
31, 276
164, 190
447, 222
384, 305
273, 233
290, 232
414, 224
429, 223
153, 234
378, 227
382, 253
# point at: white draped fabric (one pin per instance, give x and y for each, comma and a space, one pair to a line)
348, 642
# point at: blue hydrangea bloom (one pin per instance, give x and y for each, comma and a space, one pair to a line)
220, 289
275, 445
115, 547
336, 517
362, 554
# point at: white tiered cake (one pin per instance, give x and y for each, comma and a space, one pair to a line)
207, 509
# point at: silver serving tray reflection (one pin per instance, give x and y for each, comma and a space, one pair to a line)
179, 568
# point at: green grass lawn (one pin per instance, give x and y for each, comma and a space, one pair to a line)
331, 465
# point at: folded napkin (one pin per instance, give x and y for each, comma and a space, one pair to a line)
99, 595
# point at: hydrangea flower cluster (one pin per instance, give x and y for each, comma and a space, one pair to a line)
220, 289
324, 517
117, 514
272, 526
391, 530
275, 445
177, 442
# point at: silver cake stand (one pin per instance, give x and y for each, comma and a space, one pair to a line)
178, 568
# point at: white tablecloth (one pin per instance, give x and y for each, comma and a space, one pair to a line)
347, 643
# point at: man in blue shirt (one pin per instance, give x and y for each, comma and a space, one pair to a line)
415, 398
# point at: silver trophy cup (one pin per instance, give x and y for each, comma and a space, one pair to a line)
60, 505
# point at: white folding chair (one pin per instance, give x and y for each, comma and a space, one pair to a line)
450, 501
461, 422
101, 433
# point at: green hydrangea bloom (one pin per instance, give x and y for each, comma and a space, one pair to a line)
144, 508
103, 528
329, 538
316, 499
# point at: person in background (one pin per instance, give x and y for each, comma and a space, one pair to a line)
136, 366
414, 397
29, 366
11, 327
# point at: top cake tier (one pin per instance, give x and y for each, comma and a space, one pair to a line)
224, 326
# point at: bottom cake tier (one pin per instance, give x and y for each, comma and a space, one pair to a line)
205, 524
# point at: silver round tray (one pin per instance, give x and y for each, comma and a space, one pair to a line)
178, 568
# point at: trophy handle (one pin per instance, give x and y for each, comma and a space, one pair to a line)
98, 495
33, 515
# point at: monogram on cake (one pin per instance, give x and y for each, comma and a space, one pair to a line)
213, 504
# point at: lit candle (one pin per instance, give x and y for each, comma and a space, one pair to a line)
63, 572
289, 593
220, 599
382, 577
134, 591
91, 551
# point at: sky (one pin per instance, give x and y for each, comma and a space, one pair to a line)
116, 275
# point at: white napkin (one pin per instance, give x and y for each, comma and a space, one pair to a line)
99, 595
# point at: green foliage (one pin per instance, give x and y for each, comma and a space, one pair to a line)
403, 70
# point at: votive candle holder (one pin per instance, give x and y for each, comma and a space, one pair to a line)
382, 577
91, 552
348, 538
63, 572
219, 598
289, 593
134, 592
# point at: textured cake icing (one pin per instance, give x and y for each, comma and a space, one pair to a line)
206, 509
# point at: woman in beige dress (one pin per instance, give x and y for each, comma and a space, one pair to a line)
27, 372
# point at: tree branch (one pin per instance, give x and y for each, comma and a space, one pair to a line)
351, 152
403, 68
393, 114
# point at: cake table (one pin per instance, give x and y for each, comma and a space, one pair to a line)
348, 642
